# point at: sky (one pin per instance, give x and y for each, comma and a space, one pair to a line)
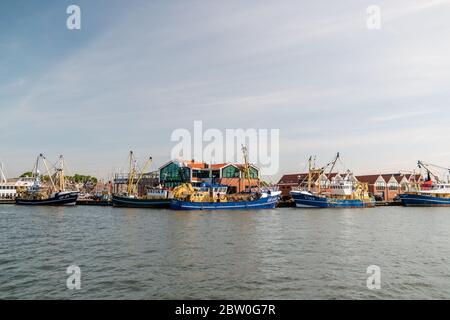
138, 70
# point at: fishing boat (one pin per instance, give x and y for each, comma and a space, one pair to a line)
155, 197
40, 193
215, 197
434, 192
343, 191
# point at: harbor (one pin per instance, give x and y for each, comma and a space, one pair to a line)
190, 185
224, 155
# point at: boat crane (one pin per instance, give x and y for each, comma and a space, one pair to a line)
134, 171
35, 172
430, 173
312, 172
153, 197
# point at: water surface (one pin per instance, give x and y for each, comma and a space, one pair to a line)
286, 253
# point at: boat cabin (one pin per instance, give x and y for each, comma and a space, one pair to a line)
341, 187
157, 193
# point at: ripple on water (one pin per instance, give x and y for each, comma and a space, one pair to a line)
276, 254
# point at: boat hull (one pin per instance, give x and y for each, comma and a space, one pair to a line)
303, 200
421, 200
126, 202
59, 199
268, 202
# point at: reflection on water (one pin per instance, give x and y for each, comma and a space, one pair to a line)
285, 253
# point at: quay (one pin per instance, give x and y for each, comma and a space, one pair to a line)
87, 202
388, 203
91, 202
289, 203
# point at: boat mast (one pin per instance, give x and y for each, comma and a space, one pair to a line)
309, 173
246, 166
319, 179
131, 174
35, 170
47, 168
60, 174
2, 173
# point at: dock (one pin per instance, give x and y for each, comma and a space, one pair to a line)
90, 202
388, 203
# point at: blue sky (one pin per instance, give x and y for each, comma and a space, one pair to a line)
137, 70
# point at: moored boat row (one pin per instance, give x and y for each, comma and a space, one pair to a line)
339, 189
188, 197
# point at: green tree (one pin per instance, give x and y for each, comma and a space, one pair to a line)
26, 174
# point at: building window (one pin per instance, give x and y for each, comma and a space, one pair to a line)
230, 172
379, 185
253, 173
170, 175
393, 186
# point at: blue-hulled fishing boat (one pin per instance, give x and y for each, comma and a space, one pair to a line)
215, 197
434, 192
343, 191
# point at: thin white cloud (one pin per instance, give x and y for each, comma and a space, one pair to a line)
404, 115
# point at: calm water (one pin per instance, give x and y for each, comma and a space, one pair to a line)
285, 253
